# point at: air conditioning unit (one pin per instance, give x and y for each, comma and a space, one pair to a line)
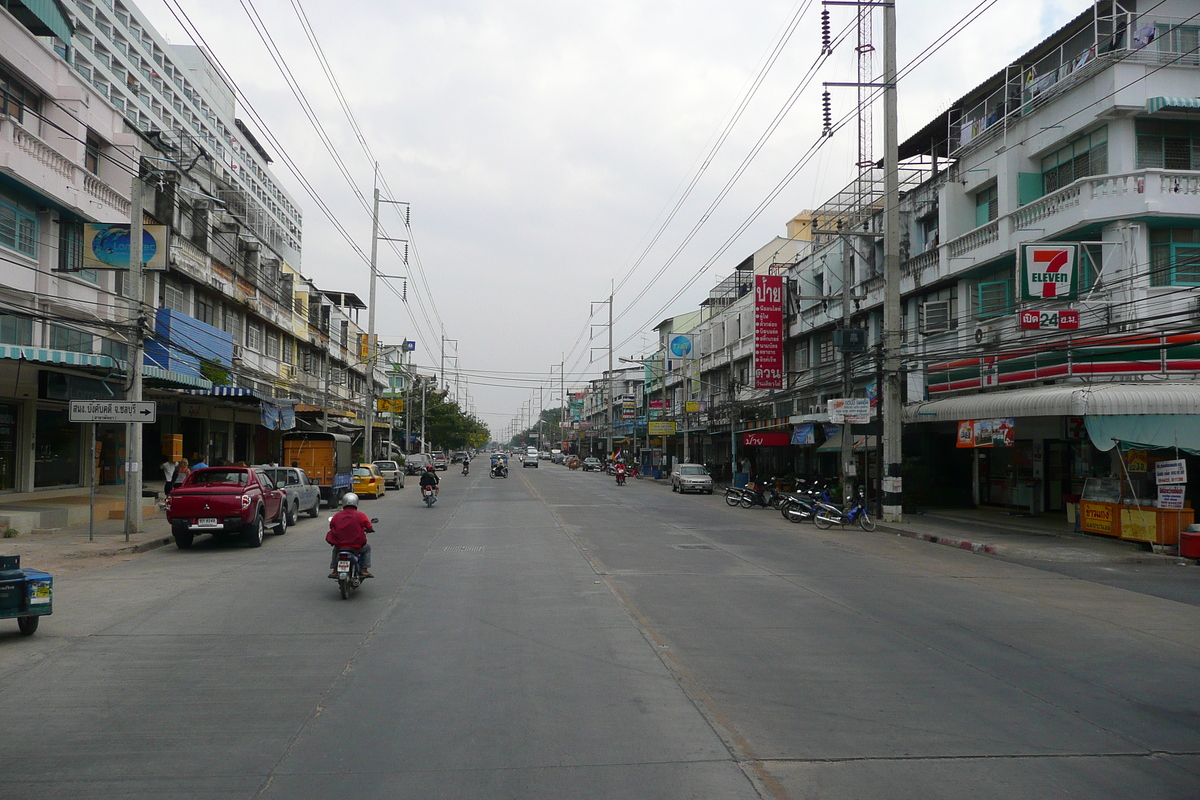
935, 316
288, 372
987, 334
237, 354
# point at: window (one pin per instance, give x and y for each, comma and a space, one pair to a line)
207, 309
272, 349
118, 351
987, 205
64, 338
91, 154
826, 351
173, 297
70, 250
1168, 144
929, 231
1175, 257
254, 337
1087, 155
18, 228
288, 350
801, 360
15, 97
1179, 41
994, 295
16, 330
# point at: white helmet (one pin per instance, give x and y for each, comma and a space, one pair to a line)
349, 500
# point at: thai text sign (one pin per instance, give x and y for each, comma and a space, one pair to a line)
855, 410
1171, 496
1066, 319
1173, 471
768, 331
1048, 271
661, 429
766, 439
1097, 517
393, 405
628, 407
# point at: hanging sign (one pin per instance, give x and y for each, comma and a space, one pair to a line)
681, 345
628, 407
768, 331
804, 434
107, 246
1064, 320
855, 410
1173, 471
661, 428
1048, 271
986, 432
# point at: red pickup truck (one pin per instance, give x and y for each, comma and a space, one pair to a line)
224, 501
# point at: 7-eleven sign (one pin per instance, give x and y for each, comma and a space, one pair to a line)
1048, 271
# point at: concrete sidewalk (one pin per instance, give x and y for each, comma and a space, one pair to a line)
68, 549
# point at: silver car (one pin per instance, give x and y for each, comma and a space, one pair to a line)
392, 474
691, 478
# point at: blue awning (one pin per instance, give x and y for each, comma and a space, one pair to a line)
1159, 103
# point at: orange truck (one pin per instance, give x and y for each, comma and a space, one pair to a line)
326, 459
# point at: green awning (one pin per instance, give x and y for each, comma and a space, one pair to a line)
177, 378
1159, 103
42, 18
67, 357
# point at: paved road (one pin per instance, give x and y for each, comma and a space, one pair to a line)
552, 635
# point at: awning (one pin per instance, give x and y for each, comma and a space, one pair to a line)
67, 357
1145, 431
862, 443
1065, 400
1159, 103
177, 378
278, 413
226, 391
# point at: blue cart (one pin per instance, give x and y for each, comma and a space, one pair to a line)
26, 594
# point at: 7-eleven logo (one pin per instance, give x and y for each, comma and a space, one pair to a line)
1049, 271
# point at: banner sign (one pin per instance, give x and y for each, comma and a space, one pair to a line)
659, 403
1171, 496
628, 407
768, 331
661, 429
394, 405
804, 434
855, 410
1048, 271
766, 439
107, 246
1173, 471
986, 432
1065, 320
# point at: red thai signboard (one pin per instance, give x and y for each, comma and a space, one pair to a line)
768, 332
1067, 319
766, 439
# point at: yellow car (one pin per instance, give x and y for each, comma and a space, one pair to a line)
368, 481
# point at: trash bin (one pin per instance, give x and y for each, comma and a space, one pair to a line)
740, 479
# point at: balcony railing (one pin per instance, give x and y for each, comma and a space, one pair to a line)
983, 235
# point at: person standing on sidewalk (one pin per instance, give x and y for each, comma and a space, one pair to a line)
182, 471
169, 468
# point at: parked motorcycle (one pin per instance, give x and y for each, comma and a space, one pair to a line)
428, 496
733, 495
764, 496
828, 514
349, 570
800, 505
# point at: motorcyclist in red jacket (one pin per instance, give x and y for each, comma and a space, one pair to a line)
348, 530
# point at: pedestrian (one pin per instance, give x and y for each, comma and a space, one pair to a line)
198, 462
182, 471
169, 468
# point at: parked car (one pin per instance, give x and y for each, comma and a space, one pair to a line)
392, 474
592, 464
301, 493
691, 478
415, 463
225, 500
459, 457
440, 462
368, 481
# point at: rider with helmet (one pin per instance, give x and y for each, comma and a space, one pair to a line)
430, 478
348, 530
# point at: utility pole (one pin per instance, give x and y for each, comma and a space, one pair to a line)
611, 377
442, 380
423, 443
133, 431
847, 437
369, 440
892, 428
407, 402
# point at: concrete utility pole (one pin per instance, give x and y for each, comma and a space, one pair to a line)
892, 429
847, 437
424, 447
133, 431
369, 440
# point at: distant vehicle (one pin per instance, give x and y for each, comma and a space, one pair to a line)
530, 460
415, 463
461, 455
591, 464
225, 500
440, 462
301, 493
368, 481
392, 474
543, 455
325, 457
691, 478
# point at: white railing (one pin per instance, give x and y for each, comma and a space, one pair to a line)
39, 151
983, 235
106, 194
920, 263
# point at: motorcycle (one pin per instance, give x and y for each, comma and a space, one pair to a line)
499, 471
733, 495
428, 496
828, 514
349, 570
466, 468
620, 477
765, 497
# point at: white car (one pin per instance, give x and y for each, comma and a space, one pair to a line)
691, 478
391, 472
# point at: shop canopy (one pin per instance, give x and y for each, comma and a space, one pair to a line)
834, 444
1064, 400
1146, 431
278, 414
1154, 104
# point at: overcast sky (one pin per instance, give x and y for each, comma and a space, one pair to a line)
541, 143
